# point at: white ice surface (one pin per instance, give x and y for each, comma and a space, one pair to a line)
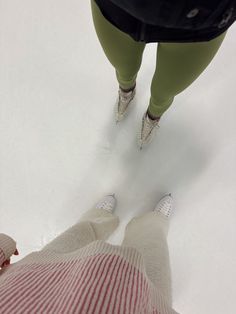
61, 150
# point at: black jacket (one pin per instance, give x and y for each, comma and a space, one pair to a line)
170, 20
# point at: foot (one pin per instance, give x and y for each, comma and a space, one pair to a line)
108, 203
165, 205
124, 101
149, 127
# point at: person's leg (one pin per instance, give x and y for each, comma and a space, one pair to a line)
177, 66
96, 224
148, 234
122, 51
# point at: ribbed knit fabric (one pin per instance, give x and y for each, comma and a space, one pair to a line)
148, 234
71, 275
2, 256
7, 247
99, 278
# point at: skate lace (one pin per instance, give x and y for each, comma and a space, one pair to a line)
105, 205
165, 209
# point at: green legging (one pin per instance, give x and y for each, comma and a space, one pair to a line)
177, 64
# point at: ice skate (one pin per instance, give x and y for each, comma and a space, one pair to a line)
124, 102
108, 203
165, 206
148, 130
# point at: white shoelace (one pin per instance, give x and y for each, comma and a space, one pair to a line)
106, 205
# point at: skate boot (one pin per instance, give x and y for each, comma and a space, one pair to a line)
165, 206
108, 203
148, 130
124, 101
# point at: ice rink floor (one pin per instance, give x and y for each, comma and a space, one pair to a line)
61, 149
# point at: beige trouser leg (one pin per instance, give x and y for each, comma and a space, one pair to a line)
96, 224
148, 233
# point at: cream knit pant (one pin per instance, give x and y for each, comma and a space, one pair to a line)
146, 233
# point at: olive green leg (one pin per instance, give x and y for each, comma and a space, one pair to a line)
178, 65
122, 51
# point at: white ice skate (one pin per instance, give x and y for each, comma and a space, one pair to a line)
165, 205
148, 130
123, 103
108, 203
